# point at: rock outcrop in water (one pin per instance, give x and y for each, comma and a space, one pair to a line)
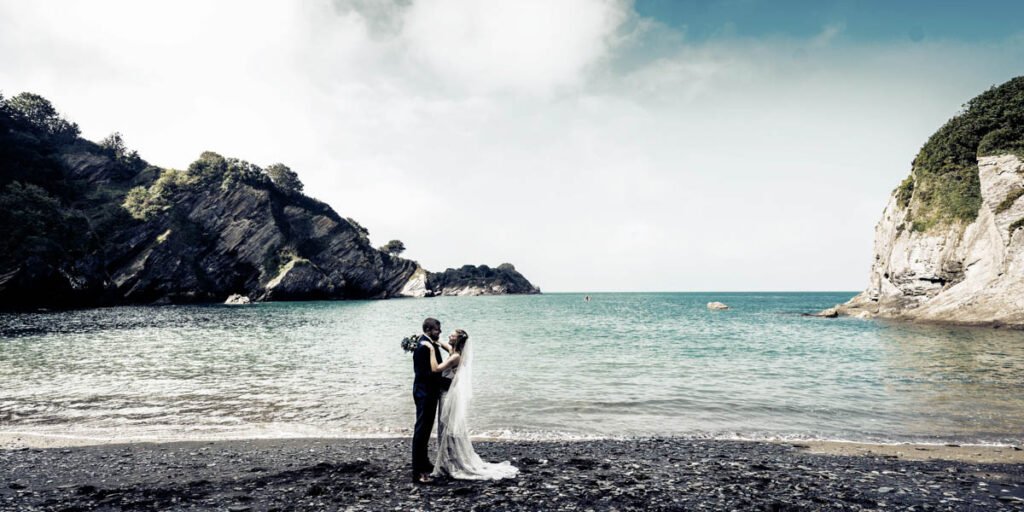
88, 224
950, 247
481, 280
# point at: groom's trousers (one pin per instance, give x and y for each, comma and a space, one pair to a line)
426, 411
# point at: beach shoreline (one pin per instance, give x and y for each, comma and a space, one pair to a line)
975, 453
373, 474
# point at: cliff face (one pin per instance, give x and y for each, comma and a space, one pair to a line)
949, 247
83, 224
970, 273
206, 243
252, 241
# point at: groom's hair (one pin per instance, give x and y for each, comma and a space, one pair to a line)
431, 323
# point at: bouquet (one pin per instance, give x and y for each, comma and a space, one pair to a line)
409, 343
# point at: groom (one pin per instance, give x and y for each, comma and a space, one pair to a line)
426, 391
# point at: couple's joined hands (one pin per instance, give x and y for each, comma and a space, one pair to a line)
447, 347
452, 360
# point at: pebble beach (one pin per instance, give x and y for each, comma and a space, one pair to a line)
641, 474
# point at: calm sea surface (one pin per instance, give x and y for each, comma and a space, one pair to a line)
547, 366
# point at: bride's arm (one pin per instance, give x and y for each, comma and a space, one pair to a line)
448, 363
445, 345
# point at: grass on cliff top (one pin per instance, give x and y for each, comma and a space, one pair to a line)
943, 186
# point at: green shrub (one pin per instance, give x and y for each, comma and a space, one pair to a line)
1011, 198
284, 178
905, 191
209, 167
945, 187
143, 203
215, 170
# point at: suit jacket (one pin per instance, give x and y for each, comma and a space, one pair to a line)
426, 378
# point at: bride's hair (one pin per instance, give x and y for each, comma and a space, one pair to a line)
461, 337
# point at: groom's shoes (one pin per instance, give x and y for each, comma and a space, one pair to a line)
422, 478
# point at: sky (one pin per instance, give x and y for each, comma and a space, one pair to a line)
598, 145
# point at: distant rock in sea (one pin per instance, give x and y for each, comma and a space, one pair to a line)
717, 306
949, 247
481, 280
91, 224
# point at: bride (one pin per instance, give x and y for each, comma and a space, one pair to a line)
455, 454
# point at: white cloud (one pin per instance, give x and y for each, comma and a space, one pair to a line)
531, 46
593, 149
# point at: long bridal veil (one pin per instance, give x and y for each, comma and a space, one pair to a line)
455, 454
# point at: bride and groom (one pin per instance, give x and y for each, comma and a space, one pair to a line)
443, 389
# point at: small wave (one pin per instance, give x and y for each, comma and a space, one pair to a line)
521, 435
54, 438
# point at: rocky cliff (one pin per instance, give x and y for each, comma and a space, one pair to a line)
949, 247
85, 224
479, 280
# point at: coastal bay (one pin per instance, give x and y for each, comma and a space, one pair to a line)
306, 406
550, 367
193, 318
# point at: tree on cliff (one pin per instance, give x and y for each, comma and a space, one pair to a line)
394, 247
115, 147
286, 179
40, 113
35, 224
26, 151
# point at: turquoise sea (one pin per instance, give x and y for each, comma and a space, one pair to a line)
547, 366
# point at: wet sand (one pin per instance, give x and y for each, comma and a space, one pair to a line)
978, 454
373, 474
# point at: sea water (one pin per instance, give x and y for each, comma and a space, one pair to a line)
546, 366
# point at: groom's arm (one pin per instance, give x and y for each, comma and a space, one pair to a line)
421, 360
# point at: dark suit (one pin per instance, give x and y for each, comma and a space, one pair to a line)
426, 390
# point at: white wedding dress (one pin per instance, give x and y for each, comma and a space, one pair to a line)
455, 455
